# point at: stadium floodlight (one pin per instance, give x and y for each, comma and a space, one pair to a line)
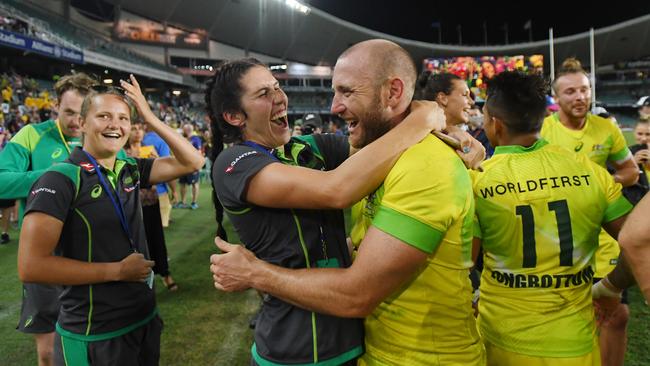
108, 81
295, 5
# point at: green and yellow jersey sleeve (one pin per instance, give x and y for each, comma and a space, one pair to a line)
16, 179
34, 149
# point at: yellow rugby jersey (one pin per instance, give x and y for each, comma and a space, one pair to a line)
539, 212
426, 201
601, 141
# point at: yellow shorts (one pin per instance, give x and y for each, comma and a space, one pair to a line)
497, 356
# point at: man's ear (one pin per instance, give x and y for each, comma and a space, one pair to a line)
236, 119
395, 91
499, 127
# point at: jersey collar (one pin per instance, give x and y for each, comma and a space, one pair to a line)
518, 149
78, 157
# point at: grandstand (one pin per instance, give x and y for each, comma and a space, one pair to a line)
94, 35
300, 44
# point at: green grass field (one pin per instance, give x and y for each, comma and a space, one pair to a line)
202, 325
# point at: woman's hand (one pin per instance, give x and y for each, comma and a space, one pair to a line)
469, 149
429, 112
132, 90
642, 157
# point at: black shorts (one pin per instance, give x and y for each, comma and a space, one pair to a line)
40, 308
7, 203
624, 299
139, 347
189, 179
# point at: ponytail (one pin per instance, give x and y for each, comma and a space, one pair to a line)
223, 94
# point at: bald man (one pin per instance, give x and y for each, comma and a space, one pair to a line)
410, 276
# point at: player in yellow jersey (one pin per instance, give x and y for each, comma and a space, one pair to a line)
578, 130
539, 210
410, 277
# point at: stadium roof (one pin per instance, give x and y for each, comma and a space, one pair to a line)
270, 27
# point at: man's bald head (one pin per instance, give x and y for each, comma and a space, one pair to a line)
383, 60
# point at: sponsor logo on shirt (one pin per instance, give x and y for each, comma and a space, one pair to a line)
43, 189
131, 182
87, 166
231, 167
96, 191
131, 188
579, 147
57, 153
530, 185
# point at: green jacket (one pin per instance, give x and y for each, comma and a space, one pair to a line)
28, 154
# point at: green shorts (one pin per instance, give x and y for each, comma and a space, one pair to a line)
139, 347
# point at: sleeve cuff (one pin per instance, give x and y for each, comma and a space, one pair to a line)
617, 209
621, 156
407, 229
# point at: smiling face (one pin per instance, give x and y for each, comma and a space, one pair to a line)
573, 95
642, 133
457, 103
264, 116
137, 133
357, 99
106, 125
69, 108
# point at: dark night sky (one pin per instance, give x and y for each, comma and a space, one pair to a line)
413, 19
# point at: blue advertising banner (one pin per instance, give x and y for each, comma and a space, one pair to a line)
26, 43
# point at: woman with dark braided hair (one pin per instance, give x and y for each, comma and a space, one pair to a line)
284, 195
217, 148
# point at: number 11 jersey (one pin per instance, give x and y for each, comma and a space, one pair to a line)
539, 212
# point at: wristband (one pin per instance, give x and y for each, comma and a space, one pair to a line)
601, 289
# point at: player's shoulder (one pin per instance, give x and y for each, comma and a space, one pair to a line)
550, 121
430, 150
69, 170
430, 161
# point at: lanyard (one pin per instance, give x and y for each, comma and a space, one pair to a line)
65, 143
115, 200
257, 146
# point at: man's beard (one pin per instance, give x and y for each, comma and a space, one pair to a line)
570, 112
373, 125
